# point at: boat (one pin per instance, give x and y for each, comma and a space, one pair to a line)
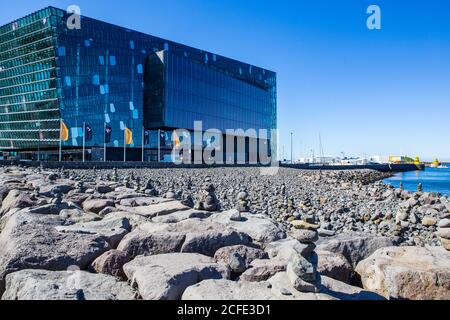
435, 164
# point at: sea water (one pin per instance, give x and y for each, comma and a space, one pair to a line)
432, 180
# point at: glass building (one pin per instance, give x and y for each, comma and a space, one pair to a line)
104, 75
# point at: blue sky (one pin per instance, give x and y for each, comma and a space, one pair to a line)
365, 92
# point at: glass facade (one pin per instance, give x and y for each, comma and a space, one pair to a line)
105, 74
29, 108
196, 91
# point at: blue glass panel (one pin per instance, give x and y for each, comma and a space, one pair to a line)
62, 51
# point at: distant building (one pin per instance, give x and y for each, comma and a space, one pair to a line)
106, 75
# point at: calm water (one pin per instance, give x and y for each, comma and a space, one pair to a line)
432, 179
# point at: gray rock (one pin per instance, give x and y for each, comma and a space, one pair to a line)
50, 208
181, 216
64, 285
286, 248
277, 288
97, 205
140, 242
304, 236
304, 269
226, 290
355, 246
413, 273
334, 265
30, 241
343, 291
155, 210
401, 216
78, 216
166, 277
299, 284
209, 242
16, 200
113, 230
444, 223
262, 270
135, 220
261, 229
104, 189
247, 253
444, 233
237, 263
140, 201
111, 263
326, 233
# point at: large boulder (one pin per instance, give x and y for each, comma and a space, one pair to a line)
284, 249
79, 216
111, 263
97, 205
30, 241
112, 229
355, 246
190, 236
61, 186
262, 270
135, 220
248, 254
64, 285
276, 288
334, 265
155, 210
344, 291
16, 199
141, 201
182, 215
415, 273
166, 276
226, 290
51, 208
261, 228
140, 242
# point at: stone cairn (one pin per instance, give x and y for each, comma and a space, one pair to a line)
170, 194
148, 188
444, 231
115, 176
242, 205
57, 197
79, 187
137, 184
302, 268
207, 199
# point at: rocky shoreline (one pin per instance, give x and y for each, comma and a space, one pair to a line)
219, 233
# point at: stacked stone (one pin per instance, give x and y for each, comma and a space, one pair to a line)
127, 182
57, 197
148, 188
242, 201
302, 268
137, 184
444, 232
242, 205
115, 176
170, 194
207, 199
79, 187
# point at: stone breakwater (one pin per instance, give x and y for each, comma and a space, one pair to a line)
222, 233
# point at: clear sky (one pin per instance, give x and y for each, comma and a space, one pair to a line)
366, 92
